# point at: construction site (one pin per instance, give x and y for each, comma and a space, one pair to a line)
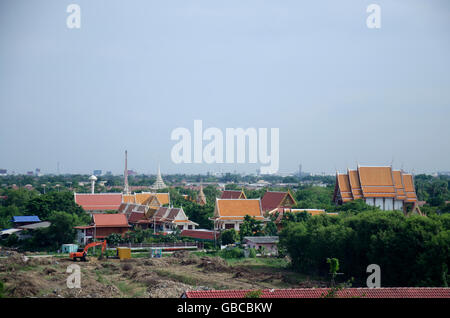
170, 276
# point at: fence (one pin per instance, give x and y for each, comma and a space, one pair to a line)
165, 245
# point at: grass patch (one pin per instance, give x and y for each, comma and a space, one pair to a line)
188, 280
100, 278
140, 255
124, 287
208, 253
259, 262
130, 290
293, 278
185, 279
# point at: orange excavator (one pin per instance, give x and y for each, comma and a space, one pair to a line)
82, 253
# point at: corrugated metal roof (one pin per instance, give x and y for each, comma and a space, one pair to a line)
262, 239
9, 231
25, 218
33, 226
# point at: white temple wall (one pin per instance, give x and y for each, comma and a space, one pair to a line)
398, 205
379, 202
388, 204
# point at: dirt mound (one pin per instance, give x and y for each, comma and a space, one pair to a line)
17, 258
126, 266
190, 261
22, 286
6, 251
168, 289
183, 258
109, 265
143, 277
13, 262
158, 262
213, 264
49, 271
35, 261
181, 254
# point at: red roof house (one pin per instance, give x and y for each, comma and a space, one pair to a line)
98, 202
394, 292
103, 225
274, 200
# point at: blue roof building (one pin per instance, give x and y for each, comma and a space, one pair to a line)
25, 219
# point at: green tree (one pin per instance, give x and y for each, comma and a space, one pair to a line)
229, 236
114, 239
250, 227
61, 231
334, 267
270, 229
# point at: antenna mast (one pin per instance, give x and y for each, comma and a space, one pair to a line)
126, 189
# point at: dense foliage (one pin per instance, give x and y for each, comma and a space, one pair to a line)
229, 237
411, 251
59, 208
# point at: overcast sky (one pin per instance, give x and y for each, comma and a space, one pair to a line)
339, 92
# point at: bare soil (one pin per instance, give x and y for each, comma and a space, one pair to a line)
139, 277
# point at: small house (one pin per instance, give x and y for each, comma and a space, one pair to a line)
102, 226
266, 243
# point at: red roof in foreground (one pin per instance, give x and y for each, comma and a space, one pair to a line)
201, 235
98, 201
110, 220
394, 292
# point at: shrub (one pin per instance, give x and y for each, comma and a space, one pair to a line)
394, 242
252, 253
229, 237
114, 239
232, 253
253, 294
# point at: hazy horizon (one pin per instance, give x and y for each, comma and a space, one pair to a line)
339, 92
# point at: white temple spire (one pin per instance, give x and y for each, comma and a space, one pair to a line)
159, 183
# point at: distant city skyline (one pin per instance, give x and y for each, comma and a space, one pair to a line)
211, 172
339, 92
